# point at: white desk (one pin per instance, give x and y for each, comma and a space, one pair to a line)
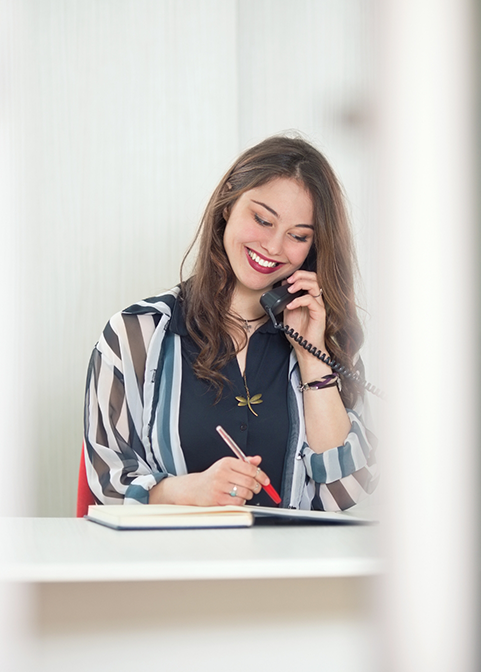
201, 600
71, 549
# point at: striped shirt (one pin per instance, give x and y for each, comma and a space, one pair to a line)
132, 407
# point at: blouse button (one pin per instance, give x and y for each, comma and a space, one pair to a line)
243, 426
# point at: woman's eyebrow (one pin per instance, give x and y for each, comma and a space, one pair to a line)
267, 207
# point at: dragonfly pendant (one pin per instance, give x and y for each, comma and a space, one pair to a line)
256, 399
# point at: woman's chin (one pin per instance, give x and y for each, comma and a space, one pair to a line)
257, 288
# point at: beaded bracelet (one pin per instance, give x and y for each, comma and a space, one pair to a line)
331, 380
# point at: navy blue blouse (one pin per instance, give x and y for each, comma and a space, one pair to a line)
265, 434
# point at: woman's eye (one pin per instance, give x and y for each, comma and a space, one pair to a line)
260, 221
301, 239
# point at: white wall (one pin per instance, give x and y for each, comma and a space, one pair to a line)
126, 129
14, 398
126, 114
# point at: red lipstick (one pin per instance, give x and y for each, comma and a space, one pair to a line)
257, 266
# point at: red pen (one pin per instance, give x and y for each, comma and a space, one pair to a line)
238, 453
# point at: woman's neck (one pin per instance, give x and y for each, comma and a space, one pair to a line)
245, 304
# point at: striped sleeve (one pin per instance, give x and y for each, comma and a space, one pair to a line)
346, 475
120, 467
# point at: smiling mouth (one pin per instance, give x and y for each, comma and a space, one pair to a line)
261, 261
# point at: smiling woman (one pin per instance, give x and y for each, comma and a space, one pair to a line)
260, 240
168, 370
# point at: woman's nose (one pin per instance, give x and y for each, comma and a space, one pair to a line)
272, 243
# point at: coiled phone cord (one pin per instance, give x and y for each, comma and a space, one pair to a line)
324, 357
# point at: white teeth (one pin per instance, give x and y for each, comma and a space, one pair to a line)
260, 261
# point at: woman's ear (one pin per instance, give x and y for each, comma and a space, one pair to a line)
226, 211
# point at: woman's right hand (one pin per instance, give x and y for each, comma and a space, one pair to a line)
213, 486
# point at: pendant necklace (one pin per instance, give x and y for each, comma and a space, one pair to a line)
248, 400
246, 326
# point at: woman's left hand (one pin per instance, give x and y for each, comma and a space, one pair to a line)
327, 423
306, 314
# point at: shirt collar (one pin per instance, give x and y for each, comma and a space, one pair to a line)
177, 321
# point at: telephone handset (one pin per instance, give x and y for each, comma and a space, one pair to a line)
274, 303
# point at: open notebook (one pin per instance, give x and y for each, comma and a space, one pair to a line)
167, 516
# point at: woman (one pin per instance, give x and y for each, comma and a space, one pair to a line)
168, 370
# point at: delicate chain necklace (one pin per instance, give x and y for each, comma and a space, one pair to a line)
256, 399
248, 400
246, 323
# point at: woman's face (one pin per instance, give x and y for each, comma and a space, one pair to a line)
269, 232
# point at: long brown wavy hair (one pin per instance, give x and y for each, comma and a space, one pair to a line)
208, 292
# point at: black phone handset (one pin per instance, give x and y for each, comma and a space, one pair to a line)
274, 303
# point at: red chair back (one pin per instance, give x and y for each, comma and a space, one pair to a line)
84, 494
